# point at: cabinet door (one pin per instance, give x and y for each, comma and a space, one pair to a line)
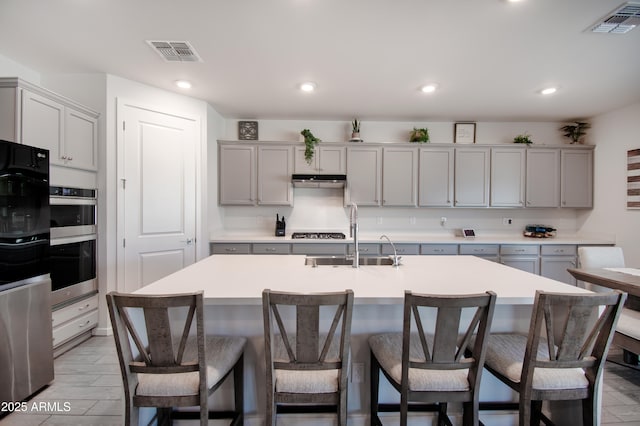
43, 125
435, 177
237, 175
80, 140
275, 166
332, 160
507, 177
364, 167
524, 263
543, 178
576, 178
472, 177
555, 267
400, 177
301, 165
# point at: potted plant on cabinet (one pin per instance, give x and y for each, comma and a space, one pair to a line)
310, 143
355, 131
523, 138
576, 130
419, 135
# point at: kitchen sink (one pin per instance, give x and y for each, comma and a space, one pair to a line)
315, 261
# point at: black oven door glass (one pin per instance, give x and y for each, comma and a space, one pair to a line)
72, 263
24, 211
72, 215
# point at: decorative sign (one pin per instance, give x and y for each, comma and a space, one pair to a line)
633, 179
465, 133
248, 130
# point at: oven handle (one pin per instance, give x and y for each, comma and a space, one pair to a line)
71, 240
62, 201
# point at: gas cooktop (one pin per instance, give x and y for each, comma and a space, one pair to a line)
318, 235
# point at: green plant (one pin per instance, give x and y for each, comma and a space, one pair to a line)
355, 126
310, 143
575, 131
523, 138
419, 135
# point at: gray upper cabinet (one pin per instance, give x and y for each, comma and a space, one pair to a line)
275, 166
37, 117
435, 177
400, 177
330, 160
507, 177
543, 177
576, 178
237, 175
472, 177
364, 170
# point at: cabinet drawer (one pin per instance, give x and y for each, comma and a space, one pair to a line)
311, 248
370, 249
518, 249
67, 313
407, 249
479, 249
74, 328
265, 248
231, 248
559, 250
439, 249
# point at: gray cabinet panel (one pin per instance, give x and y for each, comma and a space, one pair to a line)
320, 248
267, 248
439, 249
230, 248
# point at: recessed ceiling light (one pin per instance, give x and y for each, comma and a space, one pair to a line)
183, 84
429, 88
549, 90
308, 86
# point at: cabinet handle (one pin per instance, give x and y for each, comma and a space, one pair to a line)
231, 249
270, 249
70, 158
82, 308
478, 250
63, 157
86, 323
364, 250
520, 250
438, 250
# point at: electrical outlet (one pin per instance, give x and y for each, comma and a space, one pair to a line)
443, 221
357, 372
506, 221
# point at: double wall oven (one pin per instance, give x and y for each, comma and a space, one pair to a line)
73, 243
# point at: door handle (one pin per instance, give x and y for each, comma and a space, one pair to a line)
189, 241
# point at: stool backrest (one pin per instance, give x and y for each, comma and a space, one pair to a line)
446, 350
578, 328
600, 257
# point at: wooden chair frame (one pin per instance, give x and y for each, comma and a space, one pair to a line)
578, 341
157, 354
309, 352
447, 353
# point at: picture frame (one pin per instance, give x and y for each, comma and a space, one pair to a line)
248, 130
464, 133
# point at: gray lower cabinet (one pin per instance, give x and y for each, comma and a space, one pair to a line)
367, 249
486, 251
556, 259
519, 256
230, 248
267, 248
332, 249
439, 249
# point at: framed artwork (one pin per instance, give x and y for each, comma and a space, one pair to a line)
633, 179
248, 130
464, 133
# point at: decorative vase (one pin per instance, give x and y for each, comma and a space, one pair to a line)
355, 137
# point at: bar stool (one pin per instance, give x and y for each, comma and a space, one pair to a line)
163, 371
432, 368
307, 364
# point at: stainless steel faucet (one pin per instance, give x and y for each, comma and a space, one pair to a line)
353, 233
396, 259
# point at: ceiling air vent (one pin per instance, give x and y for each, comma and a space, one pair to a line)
622, 20
175, 51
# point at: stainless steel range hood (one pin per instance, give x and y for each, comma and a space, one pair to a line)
318, 181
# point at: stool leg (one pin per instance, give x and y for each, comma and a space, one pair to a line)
238, 388
374, 370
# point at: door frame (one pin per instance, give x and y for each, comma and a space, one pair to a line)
201, 243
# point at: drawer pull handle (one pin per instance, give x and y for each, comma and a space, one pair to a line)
231, 249
270, 249
438, 250
82, 308
83, 325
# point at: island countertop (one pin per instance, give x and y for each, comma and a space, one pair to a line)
239, 280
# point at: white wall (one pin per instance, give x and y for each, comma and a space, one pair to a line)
614, 134
324, 210
10, 68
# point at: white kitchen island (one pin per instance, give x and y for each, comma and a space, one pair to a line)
233, 294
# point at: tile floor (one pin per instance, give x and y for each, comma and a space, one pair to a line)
88, 380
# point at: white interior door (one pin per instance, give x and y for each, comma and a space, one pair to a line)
157, 171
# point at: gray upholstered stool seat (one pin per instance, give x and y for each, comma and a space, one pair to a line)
222, 353
387, 348
505, 352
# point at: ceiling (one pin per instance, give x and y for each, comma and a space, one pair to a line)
368, 58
